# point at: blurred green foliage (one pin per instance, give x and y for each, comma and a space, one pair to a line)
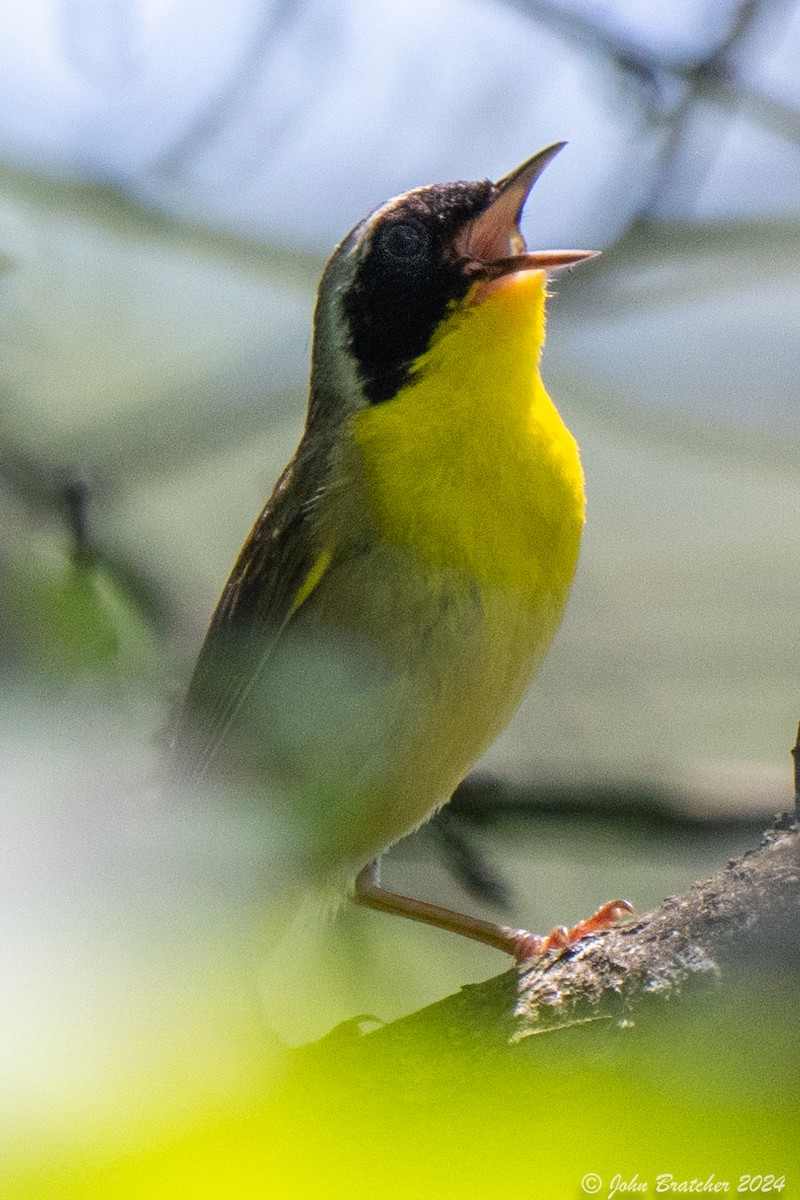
434, 1108
70, 611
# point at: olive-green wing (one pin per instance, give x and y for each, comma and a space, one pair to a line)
276, 570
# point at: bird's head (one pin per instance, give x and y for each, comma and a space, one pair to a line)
392, 280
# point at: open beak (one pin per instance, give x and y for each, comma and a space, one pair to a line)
492, 244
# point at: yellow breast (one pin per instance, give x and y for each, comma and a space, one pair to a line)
470, 463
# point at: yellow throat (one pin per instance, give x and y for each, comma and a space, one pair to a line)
470, 464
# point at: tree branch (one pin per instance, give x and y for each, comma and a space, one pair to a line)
745, 911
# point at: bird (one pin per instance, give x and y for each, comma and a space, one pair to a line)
401, 587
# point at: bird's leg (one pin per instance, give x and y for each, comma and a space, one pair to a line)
520, 944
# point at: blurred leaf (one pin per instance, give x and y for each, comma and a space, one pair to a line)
64, 619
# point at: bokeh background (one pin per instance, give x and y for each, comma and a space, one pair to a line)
172, 179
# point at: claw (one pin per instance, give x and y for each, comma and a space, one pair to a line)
530, 945
606, 917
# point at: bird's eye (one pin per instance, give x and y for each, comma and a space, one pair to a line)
404, 241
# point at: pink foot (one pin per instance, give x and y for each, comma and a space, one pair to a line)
524, 945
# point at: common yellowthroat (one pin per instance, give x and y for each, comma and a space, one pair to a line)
403, 583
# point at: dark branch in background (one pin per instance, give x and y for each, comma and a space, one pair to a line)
76, 501
678, 87
483, 801
595, 34
466, 862
482, 798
